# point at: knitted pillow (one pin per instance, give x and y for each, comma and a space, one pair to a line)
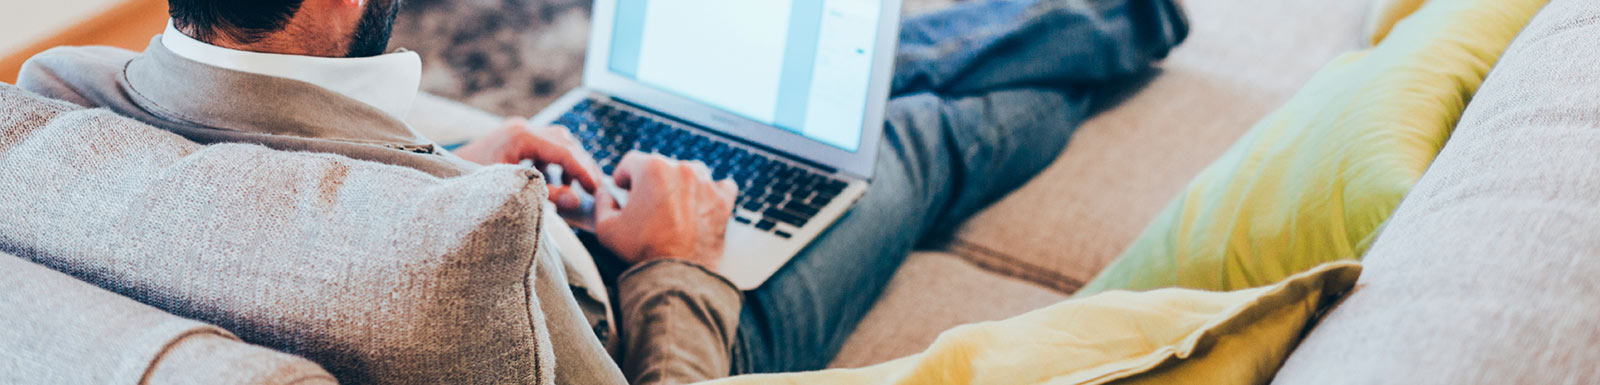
380, 274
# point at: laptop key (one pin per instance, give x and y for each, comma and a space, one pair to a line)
782, 234
822, 199
833, 186
743, 175
785, 217
806, 210
775, 191
783, 187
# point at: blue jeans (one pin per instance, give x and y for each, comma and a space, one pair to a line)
986, 94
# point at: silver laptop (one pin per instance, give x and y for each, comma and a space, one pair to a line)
785, 97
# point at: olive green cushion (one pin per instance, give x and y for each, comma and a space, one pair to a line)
1314, 181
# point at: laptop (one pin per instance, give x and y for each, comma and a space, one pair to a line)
785, 97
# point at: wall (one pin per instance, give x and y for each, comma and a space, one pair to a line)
28, 27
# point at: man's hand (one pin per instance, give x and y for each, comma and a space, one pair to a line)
675, 211
514, 142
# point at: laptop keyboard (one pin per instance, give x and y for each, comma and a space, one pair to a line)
770, 191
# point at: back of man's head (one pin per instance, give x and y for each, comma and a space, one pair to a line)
349, 28
242, 22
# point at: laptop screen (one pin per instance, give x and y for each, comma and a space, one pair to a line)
801, 65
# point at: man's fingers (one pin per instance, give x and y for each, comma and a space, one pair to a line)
605, 207
728, 190
586, 171
514, 124
700, 170
559, 134
565, 199
606, 220
631, 164
577, 165
580, 166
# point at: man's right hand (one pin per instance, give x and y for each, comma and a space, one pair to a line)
675, 211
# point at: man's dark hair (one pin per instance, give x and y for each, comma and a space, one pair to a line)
241, 21
371, 36
249, 21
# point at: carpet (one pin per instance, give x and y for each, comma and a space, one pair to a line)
508, 57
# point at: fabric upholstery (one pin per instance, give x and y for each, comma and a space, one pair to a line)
1060, 229
380, 274
59, 330
212, 359
1385, 15
1313, 181
1168, 336
933, 292
1242, 59
1486, 273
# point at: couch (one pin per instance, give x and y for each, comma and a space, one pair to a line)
1241, 60
1484, 275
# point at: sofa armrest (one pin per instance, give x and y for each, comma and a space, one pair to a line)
59, 330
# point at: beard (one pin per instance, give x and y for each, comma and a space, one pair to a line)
371, 37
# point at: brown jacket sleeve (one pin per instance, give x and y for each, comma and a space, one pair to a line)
678, 323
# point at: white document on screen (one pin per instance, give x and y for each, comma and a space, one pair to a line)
727, 53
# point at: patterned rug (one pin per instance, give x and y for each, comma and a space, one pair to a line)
509, 57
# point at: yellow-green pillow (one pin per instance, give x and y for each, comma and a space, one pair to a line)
1385, 14
1314, 180
1165, 336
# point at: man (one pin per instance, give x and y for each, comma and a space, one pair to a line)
986, 95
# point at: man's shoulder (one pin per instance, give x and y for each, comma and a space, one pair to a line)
74, 74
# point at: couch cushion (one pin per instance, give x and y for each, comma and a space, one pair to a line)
380, 274
59, 330
1169, 336
1242, 59
933, 292
1385, 14
1313, 181
1486, 274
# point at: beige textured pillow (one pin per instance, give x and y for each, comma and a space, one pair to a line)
59, 330
380, 274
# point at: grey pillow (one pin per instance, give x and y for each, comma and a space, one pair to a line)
381, 274
1489, 271
59, 330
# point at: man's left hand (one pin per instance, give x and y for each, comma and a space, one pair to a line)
514, 142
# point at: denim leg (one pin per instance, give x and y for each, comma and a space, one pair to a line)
988, 94
940, 161
976, 47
